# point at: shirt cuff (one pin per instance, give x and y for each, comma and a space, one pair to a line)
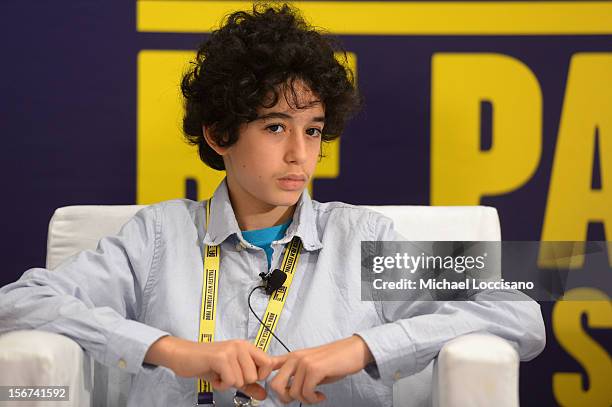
393, 351
129, 343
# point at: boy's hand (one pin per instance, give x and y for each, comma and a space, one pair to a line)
225, 364
313, 366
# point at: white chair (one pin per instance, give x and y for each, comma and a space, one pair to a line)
490, 363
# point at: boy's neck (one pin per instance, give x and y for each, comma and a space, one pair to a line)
253, 220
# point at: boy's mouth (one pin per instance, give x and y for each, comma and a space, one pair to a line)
292, 182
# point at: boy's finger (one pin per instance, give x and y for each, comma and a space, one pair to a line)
279, 361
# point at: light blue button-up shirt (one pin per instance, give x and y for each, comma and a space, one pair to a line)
146, 282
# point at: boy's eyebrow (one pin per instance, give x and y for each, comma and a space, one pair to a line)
282, 115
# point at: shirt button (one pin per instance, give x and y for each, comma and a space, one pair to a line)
122, 364
397, 375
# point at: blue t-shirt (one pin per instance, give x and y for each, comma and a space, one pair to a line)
264, 237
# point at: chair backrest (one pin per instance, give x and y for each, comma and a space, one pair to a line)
431, 223
76, 228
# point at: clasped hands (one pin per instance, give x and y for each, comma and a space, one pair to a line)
239, 364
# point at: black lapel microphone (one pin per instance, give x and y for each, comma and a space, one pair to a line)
273, 280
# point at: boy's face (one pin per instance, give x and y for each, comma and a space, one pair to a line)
276, 154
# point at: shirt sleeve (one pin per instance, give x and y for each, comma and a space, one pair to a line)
95, 297
413, 332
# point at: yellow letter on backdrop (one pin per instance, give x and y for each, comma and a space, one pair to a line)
587, 108
165, 161
461, 173
567, 325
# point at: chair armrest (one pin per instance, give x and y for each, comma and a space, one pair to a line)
39, 358
476, 370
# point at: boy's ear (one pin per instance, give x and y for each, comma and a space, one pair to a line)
221, 150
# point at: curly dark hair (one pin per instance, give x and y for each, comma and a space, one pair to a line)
245, 64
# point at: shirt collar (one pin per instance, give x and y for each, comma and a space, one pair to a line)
223, 224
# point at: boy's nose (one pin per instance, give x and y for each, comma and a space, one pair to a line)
296, 147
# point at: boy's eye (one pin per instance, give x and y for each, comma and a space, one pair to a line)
275, 128
314, 132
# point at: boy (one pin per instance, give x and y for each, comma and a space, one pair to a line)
174, 297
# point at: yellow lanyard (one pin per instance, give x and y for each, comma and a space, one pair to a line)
210, 289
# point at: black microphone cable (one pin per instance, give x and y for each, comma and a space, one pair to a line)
262, 323
259, 319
